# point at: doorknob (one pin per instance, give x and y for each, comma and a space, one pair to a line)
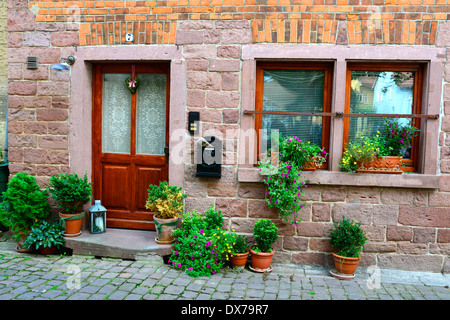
166, 152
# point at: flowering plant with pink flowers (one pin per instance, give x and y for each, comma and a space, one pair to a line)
284, 189
300, 152
398, 137
201, 244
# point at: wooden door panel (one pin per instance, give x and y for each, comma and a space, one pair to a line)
144, 177
115, 185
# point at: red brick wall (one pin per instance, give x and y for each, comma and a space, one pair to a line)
407, 228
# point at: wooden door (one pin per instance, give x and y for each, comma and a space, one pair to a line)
130, 137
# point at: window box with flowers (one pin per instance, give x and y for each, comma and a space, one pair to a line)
382, 153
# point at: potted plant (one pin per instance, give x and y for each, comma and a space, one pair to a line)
167, 204
266, 233
347, 238
382, 153
201, 243
239, 251
71, 193
368, 155
46, 237
306, 155
24, 205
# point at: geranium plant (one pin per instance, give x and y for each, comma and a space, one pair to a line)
284, 189
165, 201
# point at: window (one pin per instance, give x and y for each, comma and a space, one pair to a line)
294, 87
386, 90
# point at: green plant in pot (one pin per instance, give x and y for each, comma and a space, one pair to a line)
47, 237
239, 250
71, 192
24, 206
265, 233
167, 204
347, 238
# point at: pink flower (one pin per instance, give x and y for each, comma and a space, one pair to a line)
208, 244
202, 231
190, 269
179, 266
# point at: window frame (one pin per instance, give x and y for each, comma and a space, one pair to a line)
427, 175
418, 70
326, 66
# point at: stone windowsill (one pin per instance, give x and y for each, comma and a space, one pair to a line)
324, 177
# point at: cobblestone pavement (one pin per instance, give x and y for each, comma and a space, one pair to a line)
36, 277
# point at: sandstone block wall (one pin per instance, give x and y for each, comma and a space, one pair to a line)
407, 228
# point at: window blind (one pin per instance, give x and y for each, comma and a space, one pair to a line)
298, 91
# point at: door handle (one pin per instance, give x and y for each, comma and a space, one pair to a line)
166, 152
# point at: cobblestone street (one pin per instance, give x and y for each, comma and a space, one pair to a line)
35, 277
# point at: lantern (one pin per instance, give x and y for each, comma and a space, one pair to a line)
97, 216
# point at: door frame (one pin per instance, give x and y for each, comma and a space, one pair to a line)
81, 103
136, 218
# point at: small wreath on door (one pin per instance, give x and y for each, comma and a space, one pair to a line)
133, 81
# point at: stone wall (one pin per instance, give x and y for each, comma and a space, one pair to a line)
3, 73
408, 228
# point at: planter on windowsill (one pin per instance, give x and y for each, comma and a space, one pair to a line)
386, 165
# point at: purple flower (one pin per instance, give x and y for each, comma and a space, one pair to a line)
179, 266
190, 269
208, 244
401, 140
202, 231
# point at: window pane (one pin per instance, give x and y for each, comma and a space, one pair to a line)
151, 114
116, 114
379, 92
298, 91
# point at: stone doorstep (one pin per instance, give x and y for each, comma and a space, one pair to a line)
118, 243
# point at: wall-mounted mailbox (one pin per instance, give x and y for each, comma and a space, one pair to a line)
209, 157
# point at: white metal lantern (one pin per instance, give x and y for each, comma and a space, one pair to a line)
97, 215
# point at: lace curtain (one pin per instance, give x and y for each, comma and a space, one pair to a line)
150, 113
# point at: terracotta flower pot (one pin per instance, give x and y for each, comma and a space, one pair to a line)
20, 242
73, 223
309, 166
164, 229
345, 265
47, 250
261, 261
238, 260
382, 165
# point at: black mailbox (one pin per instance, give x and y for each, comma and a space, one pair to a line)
209, 157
